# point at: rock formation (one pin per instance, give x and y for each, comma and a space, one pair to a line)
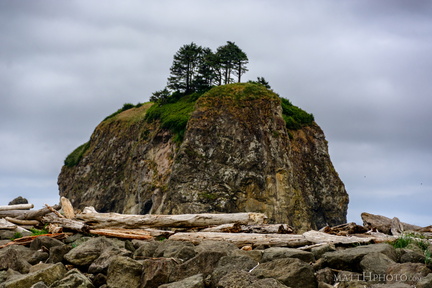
237, 155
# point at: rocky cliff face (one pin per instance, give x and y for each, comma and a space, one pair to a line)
237, 155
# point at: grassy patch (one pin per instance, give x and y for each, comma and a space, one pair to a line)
125, 107
295, 118
418, 240
73, 158
174, 115
36, 232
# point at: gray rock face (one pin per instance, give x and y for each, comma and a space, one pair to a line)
375, 265
295, 273
237, 156
124, 272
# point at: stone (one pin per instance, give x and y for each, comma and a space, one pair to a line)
39, 285
48, 275
349, 259
413, 256
203, 263
124, 272
231, 263
216, 246
57, 253
38, 256
158, 271
13, 259
18, 200
406, 273
75, 279
45, 241
196, 281
325, 275
146, 250
282, 252
101, 264
295, 273
243, 279
176, 249
99, 280
425, 282
319, 251
375, 265
87, 252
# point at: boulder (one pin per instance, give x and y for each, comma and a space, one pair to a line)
75, 279
12, 258
176, 249
325, 275
39, 285
101, 264
196, 281
45, 241
146, 249
18, 200
425, 282
87, 252
231, 263
349, 259
282, 252
406, 273
124, 272
375, 265
289, 271
48, 275
57, 253
241, 279
157, 272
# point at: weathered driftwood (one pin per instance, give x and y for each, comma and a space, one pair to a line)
321, 237
384, 224
104, 220
22, 222
344, 229
54, 211
16, 207
6, 225
66, 223
27, 214
141, 234
261, 229
243, 239
67, 208
28, 239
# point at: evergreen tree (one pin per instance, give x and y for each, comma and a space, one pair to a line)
184, 68
207, 70
232, 60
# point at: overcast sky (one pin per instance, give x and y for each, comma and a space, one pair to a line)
361, 67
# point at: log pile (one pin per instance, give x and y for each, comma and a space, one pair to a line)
241, 229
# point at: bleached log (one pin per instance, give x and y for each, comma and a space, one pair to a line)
16, 207
27, 214
6, 225
383, 224
66, 223
22, 222
67, 208
262, 229
141, 234
103, 220
321, 237
243, 239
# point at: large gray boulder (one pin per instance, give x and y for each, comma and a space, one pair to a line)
349, 259
375, 265
243, 279
48, 275
158, 271
289, 271
228, 264
425, 282
101, 264
88, 251
406, 273
282, 252
124, 272
75, 279
196, 281
12, 258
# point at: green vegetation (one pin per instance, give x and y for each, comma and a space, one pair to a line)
16, 236
73, 158
36, 232
295, 118
174, 114
125, 107
418, 240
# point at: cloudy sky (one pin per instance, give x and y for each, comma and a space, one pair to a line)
362, 67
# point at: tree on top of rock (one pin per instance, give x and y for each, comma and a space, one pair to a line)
232, 61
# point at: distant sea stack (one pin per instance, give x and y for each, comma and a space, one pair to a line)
235, 148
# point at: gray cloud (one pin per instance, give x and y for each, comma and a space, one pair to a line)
361, 67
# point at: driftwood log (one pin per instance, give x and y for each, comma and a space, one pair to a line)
16, 207
384, 224
27, 214
67, 208
321, 237
111, 220
66, 223
141, 234
22, 222
262, 229
244, 239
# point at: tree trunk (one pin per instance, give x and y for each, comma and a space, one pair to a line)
103, 220
16, 207
243, 239
67, 223
27, 214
